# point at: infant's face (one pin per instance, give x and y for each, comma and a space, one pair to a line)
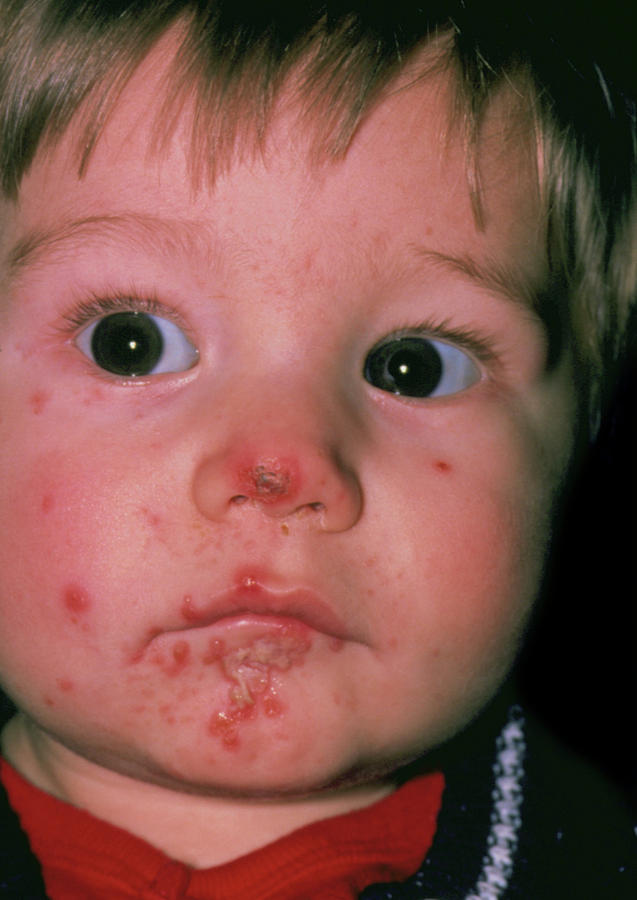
256, 565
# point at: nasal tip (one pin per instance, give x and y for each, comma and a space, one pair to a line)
281, 485
270, 482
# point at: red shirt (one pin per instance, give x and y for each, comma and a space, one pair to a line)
84, 858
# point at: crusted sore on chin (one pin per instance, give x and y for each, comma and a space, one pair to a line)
249, 670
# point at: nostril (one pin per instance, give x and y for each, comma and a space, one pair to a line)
310, 483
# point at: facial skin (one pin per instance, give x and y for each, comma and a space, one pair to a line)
154, 526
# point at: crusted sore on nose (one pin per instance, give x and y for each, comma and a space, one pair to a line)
267, 481
270, 482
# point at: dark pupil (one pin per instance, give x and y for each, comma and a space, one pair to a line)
127, 343
409, 366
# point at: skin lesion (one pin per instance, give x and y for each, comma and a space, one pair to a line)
47, 503
270, 483
249, 670
76, 600
38, 401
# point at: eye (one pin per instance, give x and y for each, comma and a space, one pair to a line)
136, 343
419, 367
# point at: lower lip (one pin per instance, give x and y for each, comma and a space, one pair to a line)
264, 641
258, 639
259, 609
234, 632
245, 628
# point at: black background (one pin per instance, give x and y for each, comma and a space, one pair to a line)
578, 670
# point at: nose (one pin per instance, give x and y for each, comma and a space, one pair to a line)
290, 477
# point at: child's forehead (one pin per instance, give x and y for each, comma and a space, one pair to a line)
416, 111
163, 111
405, 174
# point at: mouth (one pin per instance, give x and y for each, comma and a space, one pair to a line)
255, 612
252, 604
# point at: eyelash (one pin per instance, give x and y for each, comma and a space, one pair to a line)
477, 345
86, 311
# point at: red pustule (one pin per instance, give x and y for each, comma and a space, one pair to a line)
76, 601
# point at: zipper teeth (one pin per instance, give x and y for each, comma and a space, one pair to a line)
507, 796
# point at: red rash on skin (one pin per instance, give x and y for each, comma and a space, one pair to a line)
65, 685
181, 652
247, 667
268, 481
216, 650
188, 610
249, 670
38, 400
177, 661
76, 601
152, 518
48, 502
442, 466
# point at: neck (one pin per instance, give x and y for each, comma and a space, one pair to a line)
201, 830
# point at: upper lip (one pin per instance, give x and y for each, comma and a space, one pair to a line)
300, 604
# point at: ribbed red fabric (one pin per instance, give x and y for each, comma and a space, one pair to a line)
84, 858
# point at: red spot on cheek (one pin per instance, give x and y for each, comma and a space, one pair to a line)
47, 504
178, 658
153, 519
65, 684
76, 600
441, 466
181, 652
38, 400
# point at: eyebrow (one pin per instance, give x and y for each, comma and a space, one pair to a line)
188, 238
139, 229
508, 282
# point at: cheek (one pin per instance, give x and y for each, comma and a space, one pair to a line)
48, 502
52, 501
455, 574
487, 584
469, 519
